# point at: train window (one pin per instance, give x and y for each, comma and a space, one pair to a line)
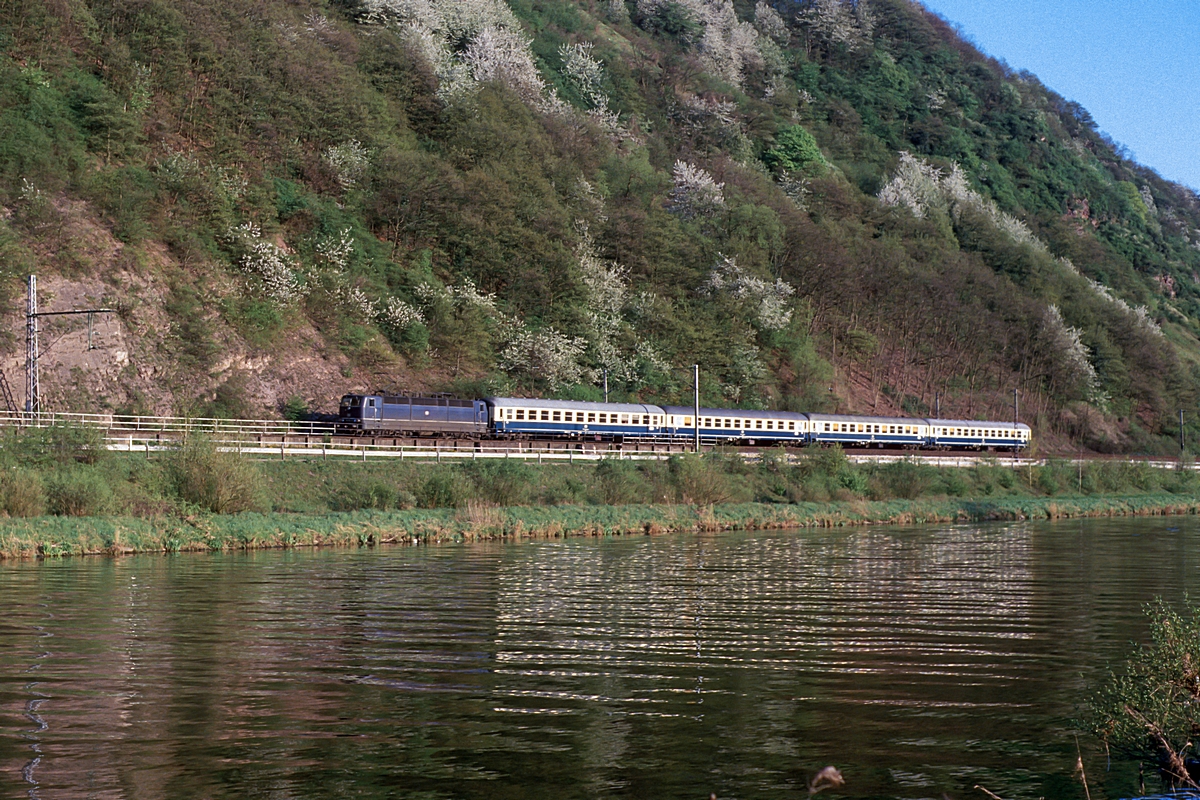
604, 417
591, 416
520, 413
558, 416
687, 421
791, 426
728, 421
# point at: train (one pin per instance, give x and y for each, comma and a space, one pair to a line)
530, 418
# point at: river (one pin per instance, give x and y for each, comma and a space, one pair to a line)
920, 661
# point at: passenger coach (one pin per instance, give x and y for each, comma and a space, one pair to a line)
521, 416
728, 425
978, 435
865, 431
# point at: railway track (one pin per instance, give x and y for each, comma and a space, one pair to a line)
280, 439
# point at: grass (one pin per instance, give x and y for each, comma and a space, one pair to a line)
66, 536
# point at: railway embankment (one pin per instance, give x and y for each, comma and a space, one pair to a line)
43, 537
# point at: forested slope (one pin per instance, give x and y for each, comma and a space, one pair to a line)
826, 204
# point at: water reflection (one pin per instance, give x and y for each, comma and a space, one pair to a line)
922, 662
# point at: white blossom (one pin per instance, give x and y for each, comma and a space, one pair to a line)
695, 194
838, 22
916, 184
923, 188
727, 46
266, 261
182, 172
336, 251
617, 11
770, 24
349, 161
399, 315
546, 355
1148, 200
1067, 344
767, 302
1139, 314
468, 42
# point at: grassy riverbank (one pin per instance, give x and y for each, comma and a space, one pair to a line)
59, 536
61, 492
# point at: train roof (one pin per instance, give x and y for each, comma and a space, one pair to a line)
571, 405
977, 423
735, 412
857, 418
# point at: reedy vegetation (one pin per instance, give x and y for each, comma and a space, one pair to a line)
65, 471
521, 194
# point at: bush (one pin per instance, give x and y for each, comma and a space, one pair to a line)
503, 482
618, 482
703, 481
22, 494
907, 479
217, 481
1149, 712
358, 492
444, 488
57, 444
79, 493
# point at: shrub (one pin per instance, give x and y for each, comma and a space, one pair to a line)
907, 479
503, 482
618, 482
57, 444
22, 493
1149, 712
444, 488
701, 480
358, 492
79, 493
218, 481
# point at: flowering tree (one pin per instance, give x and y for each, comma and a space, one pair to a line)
827, 23
1072, 369
265, 261
349, 162
695, 194
587, 74
766, 303
547, 355
467, 42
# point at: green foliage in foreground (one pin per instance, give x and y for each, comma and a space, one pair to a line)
1151, 712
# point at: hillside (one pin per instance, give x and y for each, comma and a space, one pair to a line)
828, 205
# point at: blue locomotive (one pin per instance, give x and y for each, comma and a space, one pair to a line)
530, 418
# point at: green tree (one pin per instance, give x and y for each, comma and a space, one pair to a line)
795, 150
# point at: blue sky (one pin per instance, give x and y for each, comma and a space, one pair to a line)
1134, 66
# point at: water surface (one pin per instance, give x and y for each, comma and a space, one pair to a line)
922, 662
